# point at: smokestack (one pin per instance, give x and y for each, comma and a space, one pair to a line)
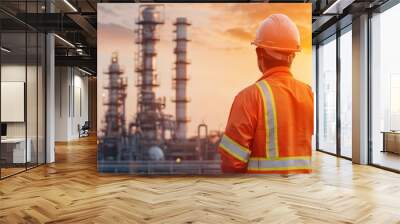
181, 78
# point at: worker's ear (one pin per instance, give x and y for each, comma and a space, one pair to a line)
260, 52
260, 59
291, 59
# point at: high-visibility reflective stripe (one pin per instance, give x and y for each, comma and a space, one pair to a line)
279, 164
282, 158
275, 129
272, 150
235, 149
265, 106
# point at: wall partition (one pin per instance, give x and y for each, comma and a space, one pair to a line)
22, 98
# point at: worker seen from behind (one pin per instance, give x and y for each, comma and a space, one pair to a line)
270, 124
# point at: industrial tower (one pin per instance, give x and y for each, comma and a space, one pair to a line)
114, 132
146, 147
115, 113
181, 78
149, 117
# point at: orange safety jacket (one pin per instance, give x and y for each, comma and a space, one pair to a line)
270, 127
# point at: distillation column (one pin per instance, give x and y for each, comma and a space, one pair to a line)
115, 103
149, 107
181, 78
112, 142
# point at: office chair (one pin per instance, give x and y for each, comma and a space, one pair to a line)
84, 130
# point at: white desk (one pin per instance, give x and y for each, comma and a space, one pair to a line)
18, 149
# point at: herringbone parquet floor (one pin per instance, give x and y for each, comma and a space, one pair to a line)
71, 191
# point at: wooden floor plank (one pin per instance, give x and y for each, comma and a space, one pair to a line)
71, 191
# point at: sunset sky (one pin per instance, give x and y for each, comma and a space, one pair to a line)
223, 61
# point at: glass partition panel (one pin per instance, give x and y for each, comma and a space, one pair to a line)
41, 98
31, 98
14, 154
385, 84
327, 96
346, 94
22, 88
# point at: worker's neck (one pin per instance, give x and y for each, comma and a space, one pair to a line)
275, 69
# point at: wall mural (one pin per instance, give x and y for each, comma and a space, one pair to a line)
169, 78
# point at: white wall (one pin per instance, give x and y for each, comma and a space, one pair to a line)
80, 112
16, 73
12, 73
61, 103
71, 102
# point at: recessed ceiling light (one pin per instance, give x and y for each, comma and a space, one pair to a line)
84, 71
5, 50
70, 5
64, 40
337, 7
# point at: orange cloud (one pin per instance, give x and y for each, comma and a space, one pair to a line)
240, 34
250, 15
